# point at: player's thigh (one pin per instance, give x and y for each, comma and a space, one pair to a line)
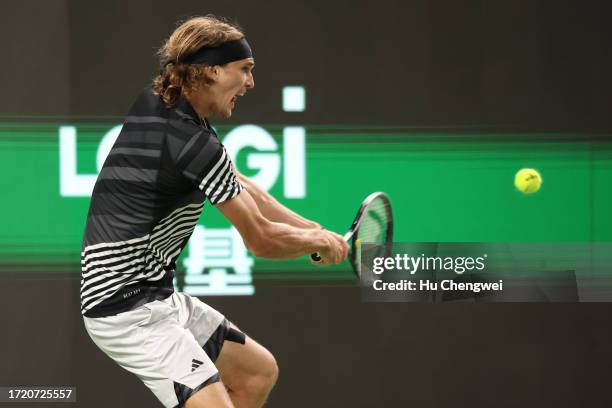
213, 395
238, 360
240, 363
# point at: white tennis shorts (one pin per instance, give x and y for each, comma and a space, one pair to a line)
165, 343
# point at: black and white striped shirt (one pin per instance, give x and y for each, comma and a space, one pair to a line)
146, 203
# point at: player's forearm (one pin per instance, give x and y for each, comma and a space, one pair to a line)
272, 209
283, 241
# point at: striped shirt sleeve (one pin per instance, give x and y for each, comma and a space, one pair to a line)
205, 162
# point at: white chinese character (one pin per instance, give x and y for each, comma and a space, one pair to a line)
217, 263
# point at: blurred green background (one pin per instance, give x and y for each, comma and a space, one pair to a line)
446, 185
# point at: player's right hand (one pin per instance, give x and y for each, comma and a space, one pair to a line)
335, 251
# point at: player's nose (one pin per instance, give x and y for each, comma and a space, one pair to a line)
250, 83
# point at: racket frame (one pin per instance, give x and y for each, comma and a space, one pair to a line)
355, 257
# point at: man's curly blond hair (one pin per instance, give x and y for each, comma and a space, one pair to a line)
177, 78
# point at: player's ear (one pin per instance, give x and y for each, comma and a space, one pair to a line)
214, 72
211, 73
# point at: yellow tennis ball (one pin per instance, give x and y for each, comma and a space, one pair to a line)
528, 181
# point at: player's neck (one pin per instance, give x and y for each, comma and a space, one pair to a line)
199, 104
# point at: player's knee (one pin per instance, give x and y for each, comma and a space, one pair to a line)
272, 371
266, 376
269, 371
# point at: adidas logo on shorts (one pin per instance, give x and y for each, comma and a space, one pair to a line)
195, 364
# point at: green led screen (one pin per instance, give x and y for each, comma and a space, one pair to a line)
446, 185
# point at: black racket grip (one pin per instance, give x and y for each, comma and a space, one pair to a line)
315, 257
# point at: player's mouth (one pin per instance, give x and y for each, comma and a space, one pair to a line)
235, 99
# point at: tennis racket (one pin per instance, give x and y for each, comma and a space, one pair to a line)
373, 224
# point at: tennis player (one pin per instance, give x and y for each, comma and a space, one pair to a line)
146, 202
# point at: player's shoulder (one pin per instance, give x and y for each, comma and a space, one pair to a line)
187, 133
149, 110
180, 141
184, 121
184, 126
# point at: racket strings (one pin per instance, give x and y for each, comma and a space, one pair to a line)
374, 225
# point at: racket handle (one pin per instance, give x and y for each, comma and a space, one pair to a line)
315, 257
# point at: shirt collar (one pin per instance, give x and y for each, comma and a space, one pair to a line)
186, 110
